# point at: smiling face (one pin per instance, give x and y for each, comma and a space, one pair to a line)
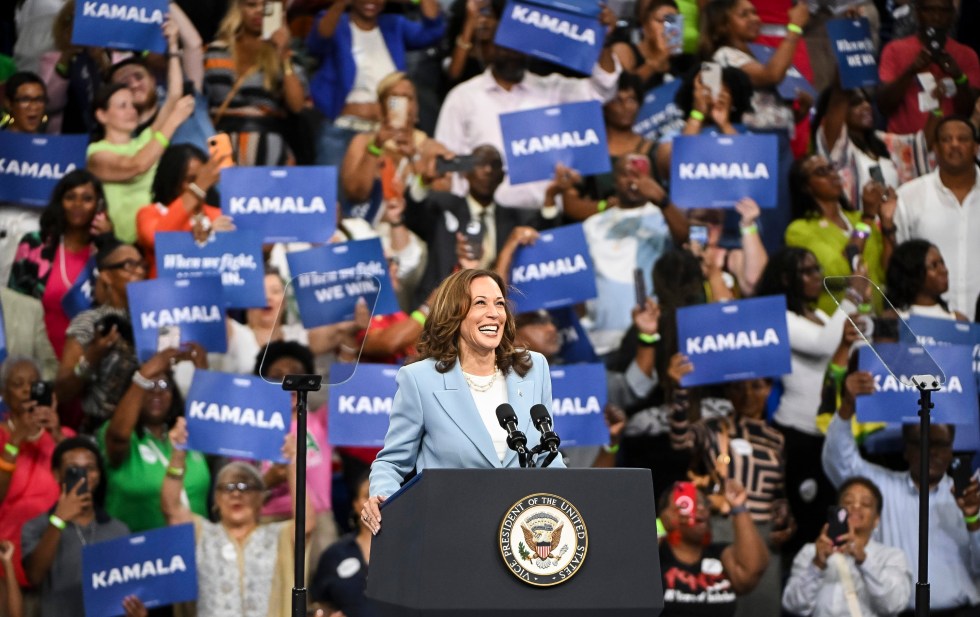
483, 327
140, 82
27, 107
862, 508
120, 113
252, 13
80, 204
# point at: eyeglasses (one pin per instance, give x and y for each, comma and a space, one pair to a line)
159, 385
129, 265
236, 487
26, 101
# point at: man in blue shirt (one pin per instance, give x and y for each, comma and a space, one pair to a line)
954, 541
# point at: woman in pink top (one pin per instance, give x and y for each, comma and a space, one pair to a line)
281, 358
48, 262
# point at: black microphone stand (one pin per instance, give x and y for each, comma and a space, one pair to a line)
301, 385
926, 384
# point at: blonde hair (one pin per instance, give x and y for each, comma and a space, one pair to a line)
389, 81
267, 59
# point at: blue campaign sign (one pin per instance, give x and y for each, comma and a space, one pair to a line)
555, 271
793, 83
575, 343
579, 393
855, 52
715, 171
240, 416
360, 407
78, 298
932, 331
195, 305
567, 38
120, 24
659, 115
31, 165
572, 134
732, 341
329, 279
955, 402
284, 204
158, 567
234, 255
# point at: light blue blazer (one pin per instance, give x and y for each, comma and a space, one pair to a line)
435, 423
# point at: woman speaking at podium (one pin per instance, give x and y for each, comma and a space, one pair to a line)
444, 412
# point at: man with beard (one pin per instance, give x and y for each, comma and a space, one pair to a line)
943, 207
470, 114
954, 541
444, 220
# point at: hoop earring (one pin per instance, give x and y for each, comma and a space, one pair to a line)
6, 120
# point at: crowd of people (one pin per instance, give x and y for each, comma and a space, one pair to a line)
879, 189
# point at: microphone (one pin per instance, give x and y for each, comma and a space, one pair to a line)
516, 440
549, 438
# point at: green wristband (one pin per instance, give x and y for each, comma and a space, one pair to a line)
601, 206
374, 150
969, 520
697, 115
161, 139
962, 79
419, 317
648, 339
610, 449
57, 522
11, 449
749, 229
794, 29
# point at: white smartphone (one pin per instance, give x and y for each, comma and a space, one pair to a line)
397, 112
711, 77
271, 19
168, 337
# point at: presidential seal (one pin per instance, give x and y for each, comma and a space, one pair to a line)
543, 540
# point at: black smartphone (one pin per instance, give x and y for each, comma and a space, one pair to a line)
188, 87
72, 476
961, 470
474, 239
125, 329
41, 393
935, 39
459, 163
836, 523
875, 172
640, 287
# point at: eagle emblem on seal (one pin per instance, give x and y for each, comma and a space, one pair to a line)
544, 535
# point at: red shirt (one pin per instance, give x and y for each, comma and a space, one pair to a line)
33, 489
897, 56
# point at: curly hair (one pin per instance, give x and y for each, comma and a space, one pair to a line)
782, 276
440, 335
54, 221
907, 272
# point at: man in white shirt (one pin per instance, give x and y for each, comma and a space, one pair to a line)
470, 114
943, 207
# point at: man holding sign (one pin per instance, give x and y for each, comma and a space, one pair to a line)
470, 114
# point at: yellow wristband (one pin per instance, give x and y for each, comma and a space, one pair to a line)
748, 230
648, 339
11, 449
697, 115
969, 520
610, 449
374, 150
419, 317
161, 139
601, 206
57, 522
794, 29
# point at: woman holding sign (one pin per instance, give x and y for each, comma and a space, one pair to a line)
443, 414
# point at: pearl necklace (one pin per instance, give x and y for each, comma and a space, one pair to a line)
481, 387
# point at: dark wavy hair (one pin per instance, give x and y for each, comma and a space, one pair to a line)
714, 26
83, 443
868, 484
172, 170
782, 276
283, 349
802, 203
868, 138
906, 273
440, 335
54, 223
738, 85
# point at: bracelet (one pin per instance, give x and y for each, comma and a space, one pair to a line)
794, 29
176, 472
161, 139
962, 79
610, 449
749, 230
863, 228
8, 467
143, 382
57, 522
864, 308
425, 309
648, 339
696, 115
969, 520
602, 205
373, 150
937, 112
198, 191
419, 316
82, 370
738, 510
11, 449
61, 69
463, 44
